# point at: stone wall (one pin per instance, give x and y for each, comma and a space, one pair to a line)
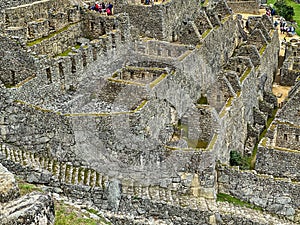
16, 64
287, 136
126, 197
162, 49
278, 162
53, 137
14, 3
158, 20
277, 196
20, 15
33, 208
289, 74
251, 7
59, 42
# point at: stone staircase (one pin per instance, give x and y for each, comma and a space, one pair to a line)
66, 173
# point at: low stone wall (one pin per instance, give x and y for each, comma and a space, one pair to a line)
277, 196
279, 163
160, 48
34, 208
126, 197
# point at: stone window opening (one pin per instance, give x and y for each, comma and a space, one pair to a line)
49, 77
84, 63
61, 71
297, 137
285, 137
92, 26
13, 76
73, 70
113, 36
295, 53
169, 53
238, 70
173, 37
158, 51
94, 54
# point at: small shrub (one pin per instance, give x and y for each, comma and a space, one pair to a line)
236, 159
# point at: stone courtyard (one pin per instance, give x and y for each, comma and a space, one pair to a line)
139, 112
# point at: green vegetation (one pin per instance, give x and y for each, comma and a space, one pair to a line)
284, 10
268, 123
66, 53
221, 197
68, 215
205, 33
39, 40
196, 143
237, 159
263, 48
26, 188
296, 9
202, 100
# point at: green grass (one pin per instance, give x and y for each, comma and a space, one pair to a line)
66, 53
202, 100
221, 197
296, 7
39, 40
26, 188
261, 136
68, 215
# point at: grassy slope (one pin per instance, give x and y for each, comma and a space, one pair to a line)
296, 7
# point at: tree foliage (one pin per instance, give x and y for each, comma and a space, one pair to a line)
284, 10
236, 159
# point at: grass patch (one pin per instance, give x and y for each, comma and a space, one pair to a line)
237, 159
205, 33
263, 48
261, 136
66, 53
26, 188
246, 73
68, 215
202, 100
222, 197
39, 40
193, 143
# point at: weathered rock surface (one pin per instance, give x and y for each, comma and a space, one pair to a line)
34, 208
230, 214
8, 187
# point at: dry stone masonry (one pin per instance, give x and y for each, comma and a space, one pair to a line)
136, 111
33, 208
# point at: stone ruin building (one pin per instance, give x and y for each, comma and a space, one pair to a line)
138, 112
